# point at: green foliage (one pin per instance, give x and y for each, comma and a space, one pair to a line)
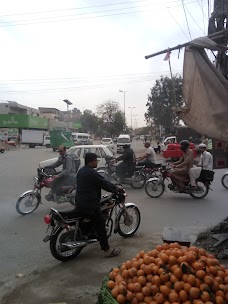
111, 118
90, 122
161, 101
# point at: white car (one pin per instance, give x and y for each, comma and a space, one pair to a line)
80, 151
108, 141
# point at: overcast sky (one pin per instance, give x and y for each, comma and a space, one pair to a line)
86, 51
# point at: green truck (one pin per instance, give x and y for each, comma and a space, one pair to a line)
60, 137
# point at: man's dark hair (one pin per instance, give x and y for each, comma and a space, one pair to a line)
90, 157
126, 146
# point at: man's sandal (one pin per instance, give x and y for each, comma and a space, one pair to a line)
112, 252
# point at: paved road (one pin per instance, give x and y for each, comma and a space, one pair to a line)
22, 249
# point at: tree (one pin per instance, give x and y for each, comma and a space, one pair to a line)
161, 101
90, 122
112, 118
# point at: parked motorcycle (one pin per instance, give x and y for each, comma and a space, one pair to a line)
2, 150
155, 186
69, 234
30, 200
225, 180
136, 179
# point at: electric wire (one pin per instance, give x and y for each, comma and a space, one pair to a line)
177, 24
87, 7
83, 78
86, 86
203, 15
9, 23
195, 21
202, 10
186, 19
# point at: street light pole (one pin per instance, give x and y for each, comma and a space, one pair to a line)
124, 92
68, 104
131, 114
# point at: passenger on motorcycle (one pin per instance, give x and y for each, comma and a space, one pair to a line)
127, 166
88, 196
68, 176
206, 163
182, 166
149, 158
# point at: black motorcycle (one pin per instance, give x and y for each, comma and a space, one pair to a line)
135, 178
69, 234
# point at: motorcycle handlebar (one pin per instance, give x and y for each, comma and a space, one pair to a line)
43, 173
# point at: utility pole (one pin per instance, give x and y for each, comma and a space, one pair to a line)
124, 92
131, 114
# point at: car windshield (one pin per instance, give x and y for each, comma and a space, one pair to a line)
106, 139
123, 140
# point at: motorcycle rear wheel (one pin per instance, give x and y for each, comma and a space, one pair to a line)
128, 223
225, 181
56, 250
140, 181
27, 202
154, 189
201, 194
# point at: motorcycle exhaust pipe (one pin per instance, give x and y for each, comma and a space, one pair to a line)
73, 245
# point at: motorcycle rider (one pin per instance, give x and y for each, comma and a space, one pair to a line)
65, 178
206, 163
149, 158
182, 166
88, 196
128, 163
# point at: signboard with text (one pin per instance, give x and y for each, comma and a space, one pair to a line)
22, 121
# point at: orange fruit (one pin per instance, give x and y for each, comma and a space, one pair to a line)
121, 299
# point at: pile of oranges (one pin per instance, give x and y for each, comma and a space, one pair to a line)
171, 273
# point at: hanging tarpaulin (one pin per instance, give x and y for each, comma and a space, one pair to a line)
205, 92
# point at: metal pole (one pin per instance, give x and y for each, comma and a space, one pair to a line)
124, 92
124, 108
131, 118
131, 114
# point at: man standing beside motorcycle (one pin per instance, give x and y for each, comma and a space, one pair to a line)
128, 163
65, 178
182, 166
149, 158
205, 163
88, 196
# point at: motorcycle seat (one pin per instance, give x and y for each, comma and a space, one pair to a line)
68, 213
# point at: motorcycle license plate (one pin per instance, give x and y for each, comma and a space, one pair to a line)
49, 230
49, 233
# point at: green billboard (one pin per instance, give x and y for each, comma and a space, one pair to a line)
77, 125
23, 121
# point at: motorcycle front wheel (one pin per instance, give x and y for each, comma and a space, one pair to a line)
225, 181
139, 181
128, 221
204, 188
28, 203
55, 245
154, 188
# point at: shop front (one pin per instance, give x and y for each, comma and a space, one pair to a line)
12, 124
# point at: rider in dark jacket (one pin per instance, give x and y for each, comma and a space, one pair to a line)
127, 166
88, 196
